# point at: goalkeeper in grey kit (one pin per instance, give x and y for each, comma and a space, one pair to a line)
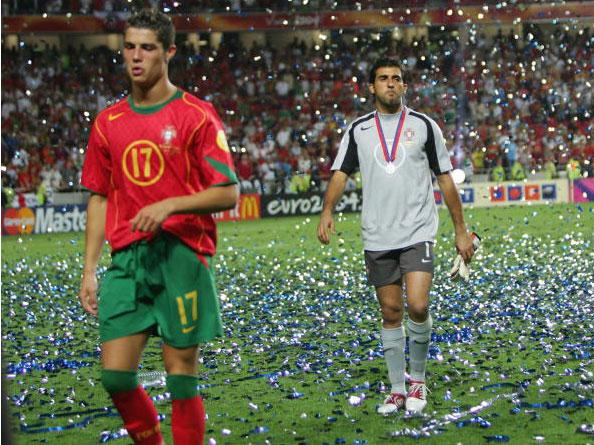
396, 150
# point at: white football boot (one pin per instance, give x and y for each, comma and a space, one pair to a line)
416, 399
393, 403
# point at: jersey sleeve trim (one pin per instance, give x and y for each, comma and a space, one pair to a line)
199, 108
100, 133
201, 122
223, 169
350, 163
430, 147
223, 184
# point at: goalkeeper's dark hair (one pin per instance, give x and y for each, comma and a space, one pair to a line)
384, 62
157, 21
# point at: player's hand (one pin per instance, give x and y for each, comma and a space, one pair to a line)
464, 246
150, 218
460, 268
326, 227
88, 293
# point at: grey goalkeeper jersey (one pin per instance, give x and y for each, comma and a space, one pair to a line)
398, 203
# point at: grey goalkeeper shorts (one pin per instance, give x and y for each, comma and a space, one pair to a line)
389, 266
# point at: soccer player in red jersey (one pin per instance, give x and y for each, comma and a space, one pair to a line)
158, 166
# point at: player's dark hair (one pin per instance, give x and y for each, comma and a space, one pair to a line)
384, 62
157, 21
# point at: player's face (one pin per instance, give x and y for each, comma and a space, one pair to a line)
388, 87
144, 56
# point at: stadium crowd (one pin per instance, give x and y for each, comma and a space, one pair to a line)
508, 105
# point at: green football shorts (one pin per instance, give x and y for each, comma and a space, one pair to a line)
161, 284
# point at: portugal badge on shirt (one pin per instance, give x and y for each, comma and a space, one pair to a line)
409, 134
168, 135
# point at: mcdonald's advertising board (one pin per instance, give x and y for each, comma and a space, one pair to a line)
248, 207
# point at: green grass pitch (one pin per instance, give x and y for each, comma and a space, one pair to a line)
300, 362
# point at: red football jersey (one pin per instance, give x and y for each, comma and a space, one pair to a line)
140, 155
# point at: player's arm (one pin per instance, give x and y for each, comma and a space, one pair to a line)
345, 163
333, 193
211, 200
452, 200
94, 238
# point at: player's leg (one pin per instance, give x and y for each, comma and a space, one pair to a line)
419, 335
417, 266
123, 353
188, 416
416, 263
391, 305
384, 273
393, 336
124, 323
119, 359
419, 322
188, 314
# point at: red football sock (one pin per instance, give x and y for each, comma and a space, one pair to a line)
139, 415
188, 421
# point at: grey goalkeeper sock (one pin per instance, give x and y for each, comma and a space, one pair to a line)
393, 340
419, 336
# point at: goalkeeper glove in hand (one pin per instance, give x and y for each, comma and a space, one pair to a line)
460, 268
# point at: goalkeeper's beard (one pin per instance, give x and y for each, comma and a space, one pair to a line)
391, 105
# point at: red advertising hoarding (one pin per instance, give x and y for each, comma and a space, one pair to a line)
380, 18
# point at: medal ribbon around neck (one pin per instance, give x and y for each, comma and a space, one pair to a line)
390, 156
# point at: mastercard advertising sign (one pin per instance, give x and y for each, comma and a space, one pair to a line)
50, 219
18, 221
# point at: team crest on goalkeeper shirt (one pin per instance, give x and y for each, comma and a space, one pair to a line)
409, 134
168, 135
